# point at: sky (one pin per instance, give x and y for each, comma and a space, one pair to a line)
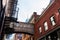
27, 7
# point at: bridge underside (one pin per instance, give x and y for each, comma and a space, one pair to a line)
11, 30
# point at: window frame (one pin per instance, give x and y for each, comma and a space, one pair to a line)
40, 29
45, 27
52, 20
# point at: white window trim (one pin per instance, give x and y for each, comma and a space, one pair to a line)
52, 20
40, 29
45, 26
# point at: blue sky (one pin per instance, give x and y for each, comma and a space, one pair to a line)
27, 7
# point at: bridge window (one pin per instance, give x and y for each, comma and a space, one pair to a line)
40, 29
11, 24
52, 20
45, 26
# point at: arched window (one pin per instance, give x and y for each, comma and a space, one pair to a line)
40, 29
52, 19
45, 26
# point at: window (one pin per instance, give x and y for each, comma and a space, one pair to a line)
45, 26
8, 36
11, 24
59, 10
52, 20
40, 30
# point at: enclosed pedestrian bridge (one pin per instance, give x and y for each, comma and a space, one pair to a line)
19, 27
24, 27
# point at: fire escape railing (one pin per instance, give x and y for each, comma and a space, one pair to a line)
14, 12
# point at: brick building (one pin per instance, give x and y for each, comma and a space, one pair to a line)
48, 25
34, 18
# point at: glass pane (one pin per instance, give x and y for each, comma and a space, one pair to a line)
40, 30
53, 23
52, 18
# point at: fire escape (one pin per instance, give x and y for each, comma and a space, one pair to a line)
7, 20
12, 18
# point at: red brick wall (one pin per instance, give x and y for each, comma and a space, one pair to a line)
52, 10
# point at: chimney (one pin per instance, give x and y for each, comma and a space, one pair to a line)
35, 16
34, 13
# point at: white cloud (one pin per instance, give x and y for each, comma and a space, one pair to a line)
27, 7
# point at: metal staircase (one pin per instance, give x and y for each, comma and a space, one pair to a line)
6, 22
7, 28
